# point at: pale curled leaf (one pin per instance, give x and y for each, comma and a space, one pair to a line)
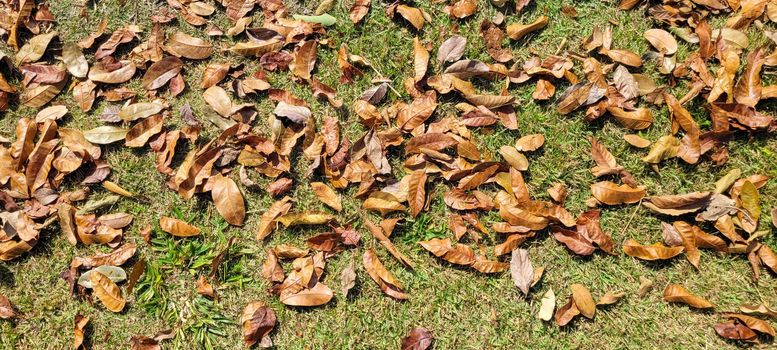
521, 270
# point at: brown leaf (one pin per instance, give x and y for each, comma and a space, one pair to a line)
451, 49
753, 323
359, 10
177, 227
218, 99
665, 147
326, 195
675, 293
79, 330
280, 186
605, 161
137, 271
141, 132
461, 8
493, 37
548, 304
749, 201
759, 309
521, 270
183, 45
214, 73
645, 286
544, 90
573, 240
107, 291
141, 110
735, 330
558, 192
120, 36
412, 15
420, 60
516, 159
521, 4
610, 193
516, 31
228, 199
347, 279
419, 338
436, 246
588, 226
416, 193
530, 143
84, 95
489, 266
116, 258
382, 277
325, 242
417, 112
204, 288
749, 87
670, 235
304, 218
610, 298
258, 321
7, 310
462, 200
159, 73
583, 300
626, 83
566, 313
676, 205
638, 119
100, 74
271, 269
636, 141
296, 114
656, 251
624, 57
378, 233
304, 59
320, 294
662, 41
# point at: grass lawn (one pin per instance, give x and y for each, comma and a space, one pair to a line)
464, 309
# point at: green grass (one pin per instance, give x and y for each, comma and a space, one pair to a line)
463, 309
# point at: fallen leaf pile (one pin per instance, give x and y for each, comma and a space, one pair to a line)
408, 155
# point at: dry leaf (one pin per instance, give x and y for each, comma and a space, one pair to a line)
419, 338
451, 49
547, 305
636, 141
382, 277
177, 227
228, 199
610, 193
656, 251
7, 310
674, 293
327, 195
107, 291
516, 31
258, 321
347, 279
521, 270
583, 300
610, 298
416, 193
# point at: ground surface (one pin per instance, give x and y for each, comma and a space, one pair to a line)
464, 309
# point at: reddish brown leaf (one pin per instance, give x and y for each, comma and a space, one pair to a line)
419, 338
